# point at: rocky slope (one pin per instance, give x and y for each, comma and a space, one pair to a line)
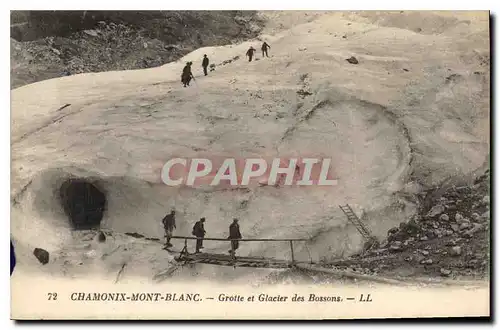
50, 44
448, 237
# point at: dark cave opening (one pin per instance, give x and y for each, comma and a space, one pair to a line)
83, 202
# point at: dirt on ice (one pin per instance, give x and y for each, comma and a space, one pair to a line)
409, 113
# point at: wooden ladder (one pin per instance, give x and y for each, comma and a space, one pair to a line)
360, 226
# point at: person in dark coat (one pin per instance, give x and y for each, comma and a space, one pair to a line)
264, 48
199, 232
186, 74
169, 226
204, 64
250, 52
234, 233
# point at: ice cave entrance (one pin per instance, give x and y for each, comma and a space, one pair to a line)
83, 203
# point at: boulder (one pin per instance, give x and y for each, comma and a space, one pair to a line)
485, 215
436, 210
472, 263
445, 272
458, 217
426, 262
454, 227
464, 225
477, 227
396, 246
475, 217
101, 237
456, 251
454, 242
409, 241
92, 33
430, 234
486, 199
42, 255
352, 60
444, 217
56, 51
418, 259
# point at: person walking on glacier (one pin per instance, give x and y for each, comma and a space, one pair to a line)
204, 64
250, 52
187, 74
264, 48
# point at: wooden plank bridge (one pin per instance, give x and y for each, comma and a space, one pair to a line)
233, 260
260, 262
228, 260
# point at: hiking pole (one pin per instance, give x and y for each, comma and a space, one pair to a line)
195, 82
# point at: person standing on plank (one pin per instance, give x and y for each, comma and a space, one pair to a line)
199, 232
169, 226
234, 233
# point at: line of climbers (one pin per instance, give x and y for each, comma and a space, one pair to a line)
187, 74
199, 232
